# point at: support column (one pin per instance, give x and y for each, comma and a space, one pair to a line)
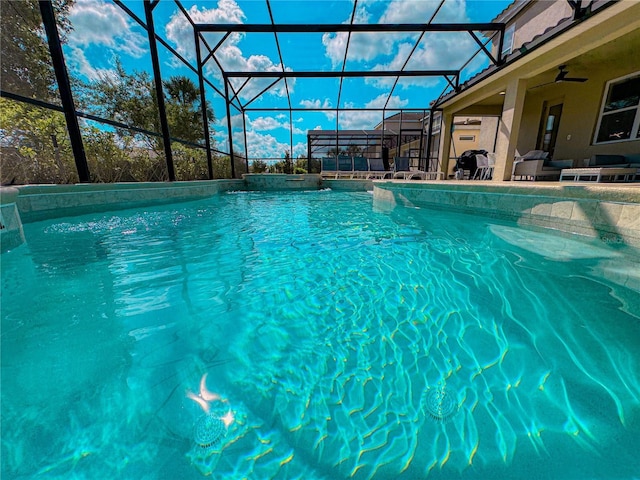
337, 135
291, 139
399, 137
203, 105
246, 145
229, 126
444, 148
157, 79
509, 129
429, 142
64, 87
421, 164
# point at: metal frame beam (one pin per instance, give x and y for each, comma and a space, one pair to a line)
64, 87
344, 60
348, 74
415, 46
157, 79
203, 106
164, 43
320, 109
345, 27
452, 77
229, 126
95, 118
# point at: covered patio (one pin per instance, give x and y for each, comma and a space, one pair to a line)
554, 90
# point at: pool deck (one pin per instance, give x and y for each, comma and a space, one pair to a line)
607, 211
610, 212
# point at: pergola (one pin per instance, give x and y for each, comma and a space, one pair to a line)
235, 81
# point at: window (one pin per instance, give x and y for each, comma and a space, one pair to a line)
507, 43
467, 138
619, 118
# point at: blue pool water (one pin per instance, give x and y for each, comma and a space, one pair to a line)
316, 335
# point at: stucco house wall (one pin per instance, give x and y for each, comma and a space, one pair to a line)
581, 108
536, 18
532, 19
602, 47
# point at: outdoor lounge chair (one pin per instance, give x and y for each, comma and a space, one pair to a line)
605, 167
376, 169
345, 166
329, 167
402, 170
534, 165
360, 167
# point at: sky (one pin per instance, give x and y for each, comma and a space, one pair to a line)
103, 33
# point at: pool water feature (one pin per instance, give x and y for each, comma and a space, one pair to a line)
440, 404
328, 326
209, 430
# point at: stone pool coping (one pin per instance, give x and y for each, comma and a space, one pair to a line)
40, 202
607, 211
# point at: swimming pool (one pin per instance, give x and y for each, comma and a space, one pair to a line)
326, 338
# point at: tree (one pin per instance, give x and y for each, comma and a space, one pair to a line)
288, 168
125, 98
26, 65
35, 146
183, 110
336, 151
258, 166
130, 98
301, 165
35, 143
354, 150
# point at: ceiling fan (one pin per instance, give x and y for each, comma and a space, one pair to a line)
562, 77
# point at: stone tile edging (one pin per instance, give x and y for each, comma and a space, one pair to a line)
606, 212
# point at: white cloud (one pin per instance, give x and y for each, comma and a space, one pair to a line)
236, 122
270, 123
380, 100
78, 60
266, 146
412, 11
442, 50
98, 23
317, 103
265, 123
357, 120
180, 32
362, 46
260, 145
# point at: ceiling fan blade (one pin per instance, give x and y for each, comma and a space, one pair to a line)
562, 76
543, 85
577, 79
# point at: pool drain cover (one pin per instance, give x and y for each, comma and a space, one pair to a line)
208, 430
441, 405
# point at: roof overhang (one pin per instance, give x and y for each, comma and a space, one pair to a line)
555, 47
